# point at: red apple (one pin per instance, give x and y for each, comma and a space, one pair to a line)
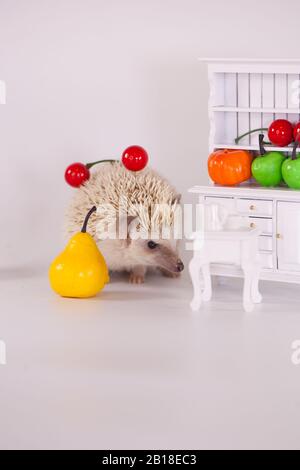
280, 132
296, 132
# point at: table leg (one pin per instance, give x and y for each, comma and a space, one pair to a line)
247, 293
256, 295
207, 291
194, 268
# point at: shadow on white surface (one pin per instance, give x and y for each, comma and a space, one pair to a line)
11, 273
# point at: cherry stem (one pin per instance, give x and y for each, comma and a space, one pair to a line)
262, 149
89, 165
88, 215
294, 153
240, 137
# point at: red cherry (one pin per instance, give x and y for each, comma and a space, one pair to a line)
296, 132
135, 158
280, 132
76, 174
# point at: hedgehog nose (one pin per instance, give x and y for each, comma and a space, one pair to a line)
179, 266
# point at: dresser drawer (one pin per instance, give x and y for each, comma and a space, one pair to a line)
265, 225
267, 260
227, 202
255, 207
265, 243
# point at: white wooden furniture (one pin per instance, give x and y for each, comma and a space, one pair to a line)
237, 248
246, 94
249, 94
276, 212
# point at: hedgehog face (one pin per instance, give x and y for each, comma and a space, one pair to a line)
157, 253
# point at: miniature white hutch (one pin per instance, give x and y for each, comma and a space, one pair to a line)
245, 95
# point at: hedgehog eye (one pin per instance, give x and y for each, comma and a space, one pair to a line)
152, 244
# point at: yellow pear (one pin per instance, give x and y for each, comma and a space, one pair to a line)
80, 270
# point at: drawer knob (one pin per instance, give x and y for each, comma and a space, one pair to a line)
252, 208
253, 225
278, 236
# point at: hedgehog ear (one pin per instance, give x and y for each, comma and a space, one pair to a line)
130, 219
132, 227
177, 199
125, 225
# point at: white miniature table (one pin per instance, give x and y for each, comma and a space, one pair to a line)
238, 247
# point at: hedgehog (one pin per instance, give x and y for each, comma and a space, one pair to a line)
135, 222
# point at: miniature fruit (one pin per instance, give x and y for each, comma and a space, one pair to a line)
229, 167
280, 132
291, 169
76, 174
296, 132
80, 270
135, 158
266, 168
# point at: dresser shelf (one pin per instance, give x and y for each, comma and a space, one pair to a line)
254, 147
235, 109
250, 95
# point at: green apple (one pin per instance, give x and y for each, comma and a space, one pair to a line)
266, 168
291, 170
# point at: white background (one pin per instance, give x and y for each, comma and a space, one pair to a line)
130, 368
85, 79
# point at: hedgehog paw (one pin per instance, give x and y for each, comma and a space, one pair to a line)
137, 275
136, 278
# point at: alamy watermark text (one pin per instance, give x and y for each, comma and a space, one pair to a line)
2, 353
